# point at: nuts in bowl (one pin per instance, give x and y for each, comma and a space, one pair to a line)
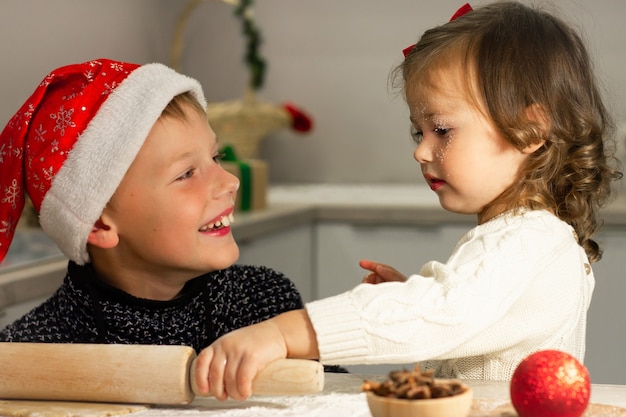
416, 394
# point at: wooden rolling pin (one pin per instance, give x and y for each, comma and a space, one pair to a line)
141, 374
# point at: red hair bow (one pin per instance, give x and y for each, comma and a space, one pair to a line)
465, 9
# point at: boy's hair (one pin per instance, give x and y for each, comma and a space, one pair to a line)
175, 108
530, 72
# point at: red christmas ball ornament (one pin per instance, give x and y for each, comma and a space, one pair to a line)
550, 383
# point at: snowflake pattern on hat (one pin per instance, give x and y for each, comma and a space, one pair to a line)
40, 136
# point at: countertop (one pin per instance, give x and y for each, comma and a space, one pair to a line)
402, 203
342, 397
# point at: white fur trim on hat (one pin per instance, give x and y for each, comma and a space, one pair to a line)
104, 152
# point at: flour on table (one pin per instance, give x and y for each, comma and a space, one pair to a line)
322, 405
20, 408
319, 405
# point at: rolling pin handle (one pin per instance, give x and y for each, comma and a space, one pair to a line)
192, 380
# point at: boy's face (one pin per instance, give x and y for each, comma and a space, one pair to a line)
463, 157
171, 210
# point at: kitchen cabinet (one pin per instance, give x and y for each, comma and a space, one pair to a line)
340, 246
14, 312
289, 251
606, 322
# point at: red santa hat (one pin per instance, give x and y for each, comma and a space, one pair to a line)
71, 143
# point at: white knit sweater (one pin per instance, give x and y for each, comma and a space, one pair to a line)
514, 285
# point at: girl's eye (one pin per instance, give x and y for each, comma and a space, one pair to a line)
218, 158
417, 136
441, 131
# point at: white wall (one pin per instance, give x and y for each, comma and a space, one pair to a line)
40, 35
334, 57
330, 57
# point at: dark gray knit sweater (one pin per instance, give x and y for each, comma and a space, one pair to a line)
86, 310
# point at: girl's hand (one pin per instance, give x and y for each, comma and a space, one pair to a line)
380, 272
228, 366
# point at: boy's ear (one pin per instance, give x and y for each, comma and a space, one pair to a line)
103, 234
537, 114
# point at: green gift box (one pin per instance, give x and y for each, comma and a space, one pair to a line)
253, 180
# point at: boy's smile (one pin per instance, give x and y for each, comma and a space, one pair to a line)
219, 226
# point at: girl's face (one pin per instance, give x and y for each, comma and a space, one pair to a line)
463, 157
172, 210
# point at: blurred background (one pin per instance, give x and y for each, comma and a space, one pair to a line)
331, 58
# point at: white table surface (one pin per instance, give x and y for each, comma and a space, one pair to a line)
342, 398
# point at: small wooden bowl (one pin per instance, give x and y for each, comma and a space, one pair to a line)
457, 405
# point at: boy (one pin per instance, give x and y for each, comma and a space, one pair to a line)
123, 168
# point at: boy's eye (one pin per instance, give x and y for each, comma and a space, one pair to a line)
218, 158
188, 174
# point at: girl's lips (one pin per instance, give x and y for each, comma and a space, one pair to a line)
434, 182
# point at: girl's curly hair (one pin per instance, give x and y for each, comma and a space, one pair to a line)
532, 75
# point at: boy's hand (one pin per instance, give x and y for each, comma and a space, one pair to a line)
228, 366
380, 272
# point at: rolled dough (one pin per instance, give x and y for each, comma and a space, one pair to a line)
24, 408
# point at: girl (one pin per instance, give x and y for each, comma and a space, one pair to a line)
509, 125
